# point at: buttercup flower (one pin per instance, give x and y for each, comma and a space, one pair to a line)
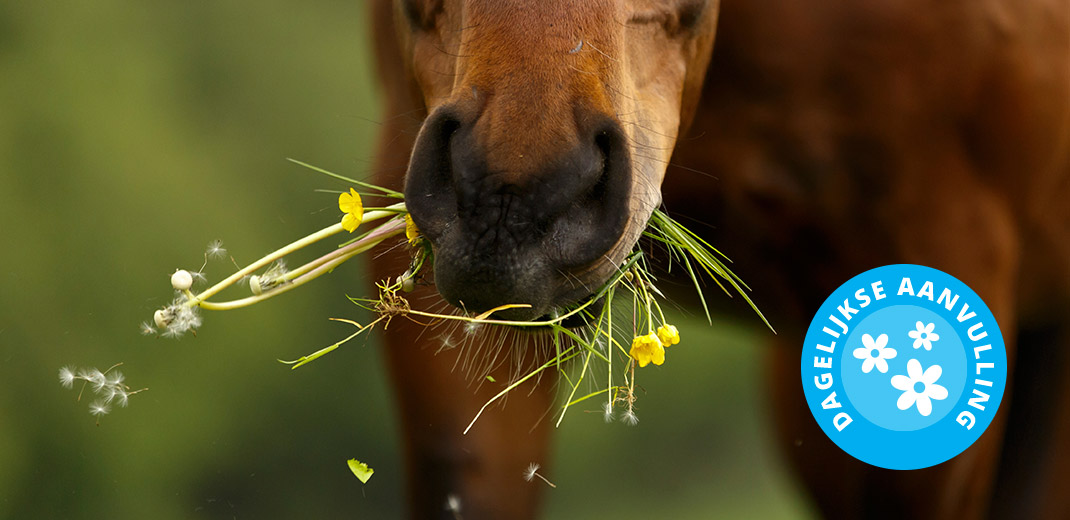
874, 353
919, 387
350, 204
924, 336
411, 232
668, 335
647, 348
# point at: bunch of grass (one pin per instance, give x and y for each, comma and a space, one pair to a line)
608, 344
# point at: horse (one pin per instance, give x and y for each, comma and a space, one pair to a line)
819, 139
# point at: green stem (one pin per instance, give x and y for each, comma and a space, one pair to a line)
382, 233
199, 300
517, 383
575, 387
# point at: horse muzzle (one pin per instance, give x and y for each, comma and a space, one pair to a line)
523, 234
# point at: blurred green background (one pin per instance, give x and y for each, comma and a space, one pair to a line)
132, 134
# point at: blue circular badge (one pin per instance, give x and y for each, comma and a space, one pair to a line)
904, 367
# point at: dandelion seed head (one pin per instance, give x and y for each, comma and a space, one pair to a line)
630, 418
215, 249
530, 472
115, 378
99, 408
181, 280
471, 328
66, 377
199, 277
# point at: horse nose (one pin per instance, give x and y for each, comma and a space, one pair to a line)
512, 233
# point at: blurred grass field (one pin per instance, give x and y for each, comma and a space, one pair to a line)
133, 134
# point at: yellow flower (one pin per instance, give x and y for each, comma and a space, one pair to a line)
647, 348
668, 335
350, 204
411, 232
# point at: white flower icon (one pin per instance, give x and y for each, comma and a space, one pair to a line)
874, 353
919, 387
924, 336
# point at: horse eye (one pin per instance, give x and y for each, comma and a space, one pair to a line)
690, 12
421, 14
674, 16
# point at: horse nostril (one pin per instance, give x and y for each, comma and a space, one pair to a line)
599, 209
429, 192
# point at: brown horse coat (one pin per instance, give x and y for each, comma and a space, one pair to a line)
830, 138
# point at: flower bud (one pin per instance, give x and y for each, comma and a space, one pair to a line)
254, 285
162, 318
182, 280
408, 282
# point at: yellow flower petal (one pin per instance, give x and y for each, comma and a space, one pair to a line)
658, 356
647, 348
350, 202
411, 232
351, 205
668, 335
350, 222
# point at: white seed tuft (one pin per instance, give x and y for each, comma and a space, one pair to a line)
66, 377
531, 471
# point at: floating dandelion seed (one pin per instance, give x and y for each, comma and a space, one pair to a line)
471, 328
96, 377
99, 408
108, 385
147, 329
630, 418
66, 377
215, 249
533, 471
114, 378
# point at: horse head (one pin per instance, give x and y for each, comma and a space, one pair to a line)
549, 126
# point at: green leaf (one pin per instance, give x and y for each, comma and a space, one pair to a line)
361, 470
311, 357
